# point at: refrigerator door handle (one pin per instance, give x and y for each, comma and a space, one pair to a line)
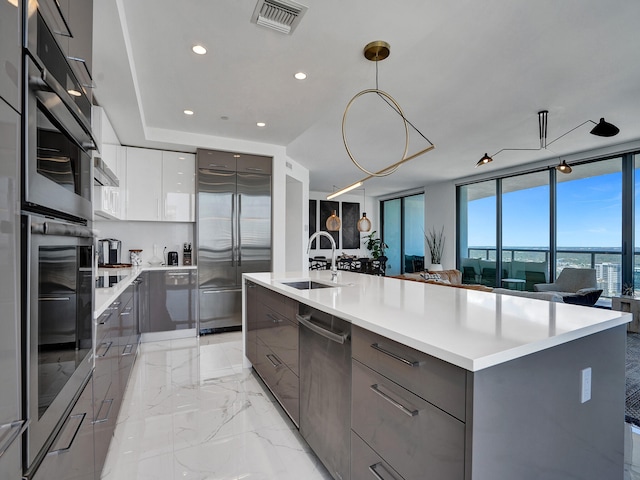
239, 243
233, 230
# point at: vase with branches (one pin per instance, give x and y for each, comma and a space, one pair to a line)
375, 245
435, 242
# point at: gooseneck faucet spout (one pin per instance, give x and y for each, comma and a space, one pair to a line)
334, 270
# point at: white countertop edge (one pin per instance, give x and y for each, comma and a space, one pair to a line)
468, 363
106, 296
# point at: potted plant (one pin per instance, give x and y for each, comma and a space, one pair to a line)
435, 242
375, 245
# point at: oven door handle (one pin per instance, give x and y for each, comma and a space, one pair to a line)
61, 229
45, 82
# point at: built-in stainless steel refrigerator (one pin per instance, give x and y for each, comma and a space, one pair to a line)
234, 232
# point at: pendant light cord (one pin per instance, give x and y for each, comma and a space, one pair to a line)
397, 111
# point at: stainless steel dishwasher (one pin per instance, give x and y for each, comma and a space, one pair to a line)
325, 388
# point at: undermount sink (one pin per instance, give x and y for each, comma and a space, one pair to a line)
307, 285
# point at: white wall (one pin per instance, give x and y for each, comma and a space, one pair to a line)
144, 235
294, 232
439, 211
287, 247
367, 204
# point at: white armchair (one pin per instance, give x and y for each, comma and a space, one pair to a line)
576, 285
570, 280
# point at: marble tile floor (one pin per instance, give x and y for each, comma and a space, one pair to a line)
192, 412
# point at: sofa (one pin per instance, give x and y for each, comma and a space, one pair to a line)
450, 278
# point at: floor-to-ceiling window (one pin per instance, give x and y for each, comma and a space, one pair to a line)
525, 230
547, 221
391, 234
636, 217
403, 232
477, 232
589, 222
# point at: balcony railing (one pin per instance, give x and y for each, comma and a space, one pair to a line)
532, 265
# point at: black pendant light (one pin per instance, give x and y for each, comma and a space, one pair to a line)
484, 160
564, 167
605, 129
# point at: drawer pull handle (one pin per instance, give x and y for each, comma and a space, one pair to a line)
18, 428
399, 406
275, 365
374, 469
274, 318
106, 346
66, 438
109, 403
338, 337
410, 363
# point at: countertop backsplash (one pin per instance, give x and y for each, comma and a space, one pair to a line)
144, 235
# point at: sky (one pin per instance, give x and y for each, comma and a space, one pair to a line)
589, 214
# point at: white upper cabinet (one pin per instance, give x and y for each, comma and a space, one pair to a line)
178, 186
144, 184
160, 186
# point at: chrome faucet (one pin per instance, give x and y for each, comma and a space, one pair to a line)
334, 270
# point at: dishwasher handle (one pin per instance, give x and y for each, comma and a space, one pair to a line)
338, 337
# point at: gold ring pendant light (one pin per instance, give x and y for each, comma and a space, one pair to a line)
375, 52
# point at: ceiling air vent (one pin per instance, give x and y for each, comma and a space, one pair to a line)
280, 15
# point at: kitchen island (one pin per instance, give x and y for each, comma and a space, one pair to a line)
496, 386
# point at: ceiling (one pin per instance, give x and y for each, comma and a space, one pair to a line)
471, 76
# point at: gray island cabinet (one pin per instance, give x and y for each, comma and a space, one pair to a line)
454, 384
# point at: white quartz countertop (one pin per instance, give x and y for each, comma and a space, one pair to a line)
468, 328
105, 296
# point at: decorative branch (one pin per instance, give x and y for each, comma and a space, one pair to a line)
435, 241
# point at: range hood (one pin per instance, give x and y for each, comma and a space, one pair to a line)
103, 175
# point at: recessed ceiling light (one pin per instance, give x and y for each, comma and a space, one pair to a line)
188, 112
75, 93
199, 49
300, 75
261, 124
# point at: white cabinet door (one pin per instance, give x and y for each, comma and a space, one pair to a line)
107, 201
178, 186
144, 184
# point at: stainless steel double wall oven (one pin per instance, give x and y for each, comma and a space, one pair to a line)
57, 240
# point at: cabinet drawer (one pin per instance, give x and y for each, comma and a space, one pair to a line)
435, 380
282, 382
71, 455
366, 464
417, 439
285, 306
281, 335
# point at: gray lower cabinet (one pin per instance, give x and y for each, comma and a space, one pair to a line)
71, 455
407, 412
117, 335
11, 417
11, 52
272, 344
174, 299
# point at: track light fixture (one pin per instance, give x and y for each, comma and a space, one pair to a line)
601, 129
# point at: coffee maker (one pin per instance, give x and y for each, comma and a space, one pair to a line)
109, 252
